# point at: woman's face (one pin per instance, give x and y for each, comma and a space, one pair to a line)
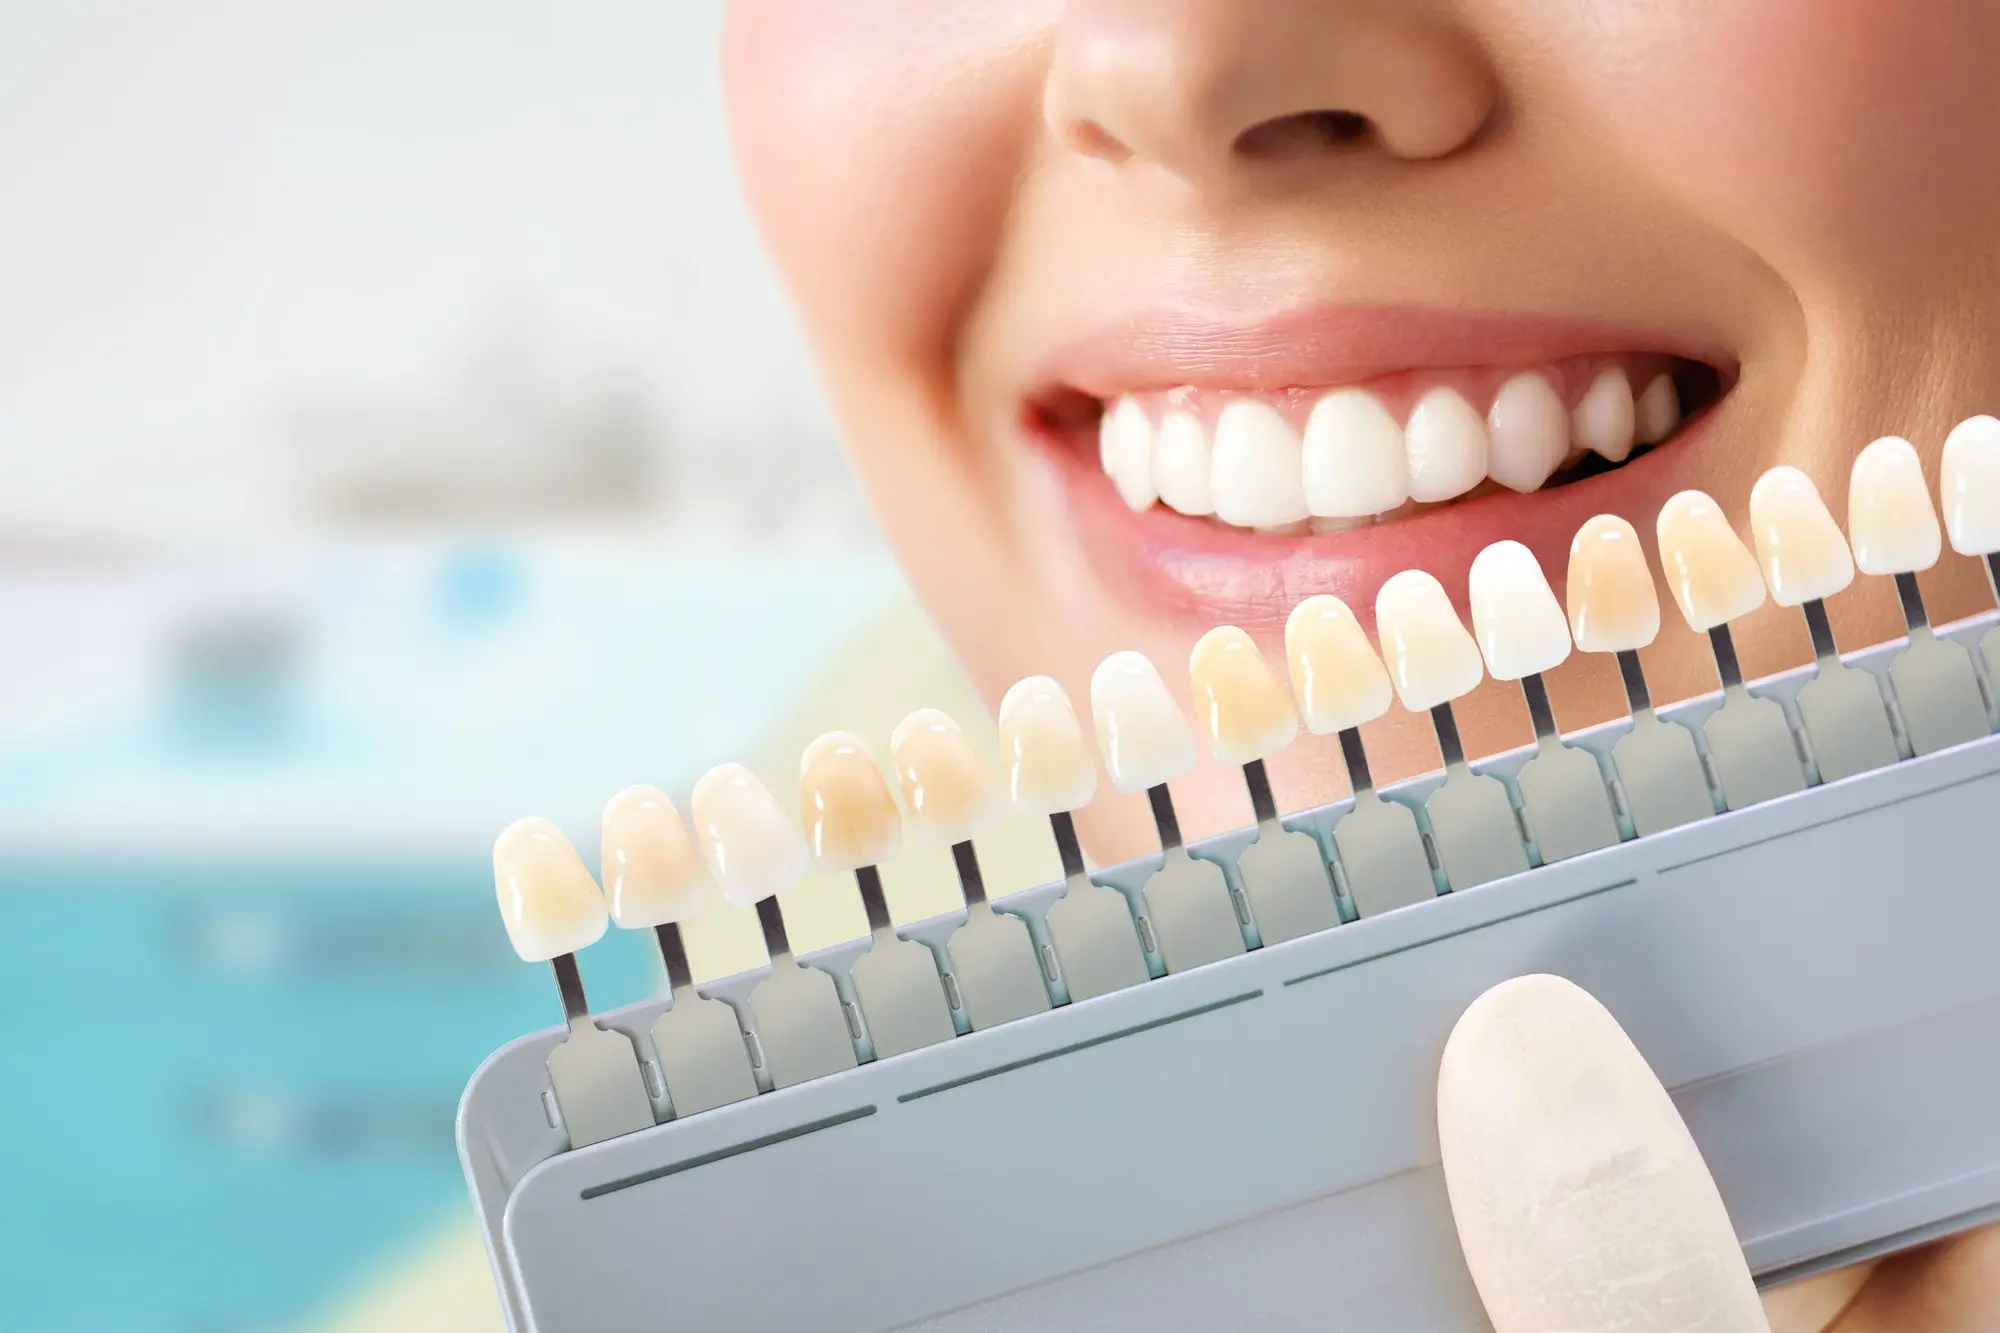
1277, 264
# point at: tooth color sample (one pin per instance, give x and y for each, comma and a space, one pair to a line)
947, 787
1712, 573
1528, 428
1515, 616
1581, 1200
1337, 679
1612, 605
1354, 461
1256, 474
1969, 485
1657, 412
1446, 443
1242, 705
1804, 555
1125, 451
747, 843
1048, 762
1141, 732
547, 898
844, 805
652, 873
1890, 521
1430, 657
1181, 464
1605, 418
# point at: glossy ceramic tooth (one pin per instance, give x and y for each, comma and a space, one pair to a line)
1256, 474
1430, 657
844, 805
1337, 679
1603, 421
652, 873
1529, 431
1125, 451
1141, 732
1520, 627
1969, 485
1447, 446
1048, 762
1890, 521
1658, 411
547, 898
1181, 464
746, 842
1244, 708
949, 791
1798, 543
1712, 573
1612, 605
1354, 461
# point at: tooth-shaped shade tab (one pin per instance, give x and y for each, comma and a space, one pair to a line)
947, 788
844, 805
747, 843
1712, 573
547, 898
1048, 762
1337, 679
652, 874
1141, 732
1969, 485
1242, 705
1804, 555
1612, 605
1889, 516
1430, 657
1515, 615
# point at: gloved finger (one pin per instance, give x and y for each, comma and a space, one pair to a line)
1581, 1201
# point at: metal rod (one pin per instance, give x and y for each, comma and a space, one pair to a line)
1914, 614
1540, 713
869, 880
1066, 844
1446, 726
1725, 657
1637, 697
674, 954
1821, 630
1164, 818
1351, 750
569, 981
969, 877
1993, 573
1262, 803
773, 922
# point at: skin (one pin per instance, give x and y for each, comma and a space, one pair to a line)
1806, 189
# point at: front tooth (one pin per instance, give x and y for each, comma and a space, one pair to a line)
1125, 451
1604, 418
1612, 605
1049, 768
1446, 443
1430, 657
1712, 573
1515, 615
1354, 461
1530, 432
1798, 543
548, 900
1969, 485
1337, 678
1658, 411
849, 817
1181, 464
1889, 516
947, 788
748, 845
1246, 711
1256, 477
652, 874
1141, 732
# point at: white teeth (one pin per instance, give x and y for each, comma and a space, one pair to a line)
1658, 411
1446, 441
1353, 455
1529, 428
1257, 475
1603, 421
1969, 485
1519, 624
1125, 451
1181, 465
1890, 521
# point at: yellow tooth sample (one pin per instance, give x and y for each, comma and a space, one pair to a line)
1515, 616
1969, 485
652, 874
1430, 657
1048, 762
844, 805
1712, 573
1612, 605
1242, 704
747, 843
1804, 555
947, 788
547, 898
1337, 678
1141, 732
1890, 521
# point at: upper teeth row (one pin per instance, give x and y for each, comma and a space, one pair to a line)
1354, 460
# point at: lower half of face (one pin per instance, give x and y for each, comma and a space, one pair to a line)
1142, 319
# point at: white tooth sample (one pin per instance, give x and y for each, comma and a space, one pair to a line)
1612, 605
1804, 555
1243, 707
1890, 521
1049, 765
1430, 657
1125, 451
652, 873
746, 842
1515, 616
1528, 427
849, 817
1658, 411
1256, 475
1181, 464
1354, 460
1714, 577
1141, 732
947, 788
1603, 421
1337, 679
1446, 444
547, 898
1969, 485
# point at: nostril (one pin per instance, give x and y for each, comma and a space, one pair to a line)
1305, 132
1092, 140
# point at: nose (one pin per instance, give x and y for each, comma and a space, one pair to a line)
1202, 88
